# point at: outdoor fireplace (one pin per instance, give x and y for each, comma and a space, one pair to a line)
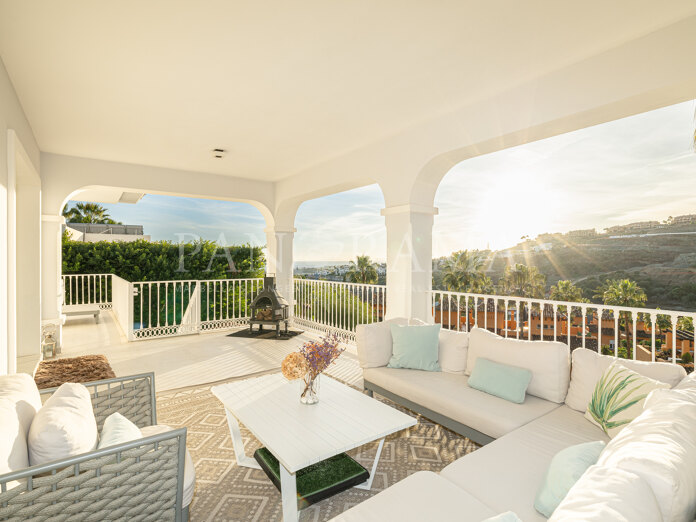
269, 307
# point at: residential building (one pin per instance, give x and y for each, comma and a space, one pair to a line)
95, 232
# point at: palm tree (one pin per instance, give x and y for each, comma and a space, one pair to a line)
363, 270
87, 213
622, 292
522, 281
565, 290
463, 272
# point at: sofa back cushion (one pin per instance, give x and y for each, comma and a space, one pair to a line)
604, 494
453, 349
374, 342
588, 367
660, 447
64, 426
549, 361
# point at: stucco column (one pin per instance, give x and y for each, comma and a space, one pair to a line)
280, 260
409, 260
51, 269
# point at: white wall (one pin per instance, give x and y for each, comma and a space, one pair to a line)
12, 118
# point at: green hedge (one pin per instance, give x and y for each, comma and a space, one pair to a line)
163, 260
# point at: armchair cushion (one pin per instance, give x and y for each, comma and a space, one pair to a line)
19, 402
189, 470
21, 389
13, 439
64, 426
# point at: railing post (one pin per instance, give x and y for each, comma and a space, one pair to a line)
131, 294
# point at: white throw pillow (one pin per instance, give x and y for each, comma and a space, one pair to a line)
64, 426
619, 397
549, 361
660, 447
117, 430
453, 350
374, 342
608, 494
21, 389
588, 366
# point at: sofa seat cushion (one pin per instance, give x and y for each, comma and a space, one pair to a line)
608, 494
549, 361
421, 496
507, 473
450, 395
189, 469
588, 367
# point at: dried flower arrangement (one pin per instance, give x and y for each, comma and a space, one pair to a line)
313, 358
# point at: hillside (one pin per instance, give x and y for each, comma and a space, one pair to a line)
663, 262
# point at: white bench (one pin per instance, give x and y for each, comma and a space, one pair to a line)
83, 309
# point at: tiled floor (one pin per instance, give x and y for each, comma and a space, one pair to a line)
187, 360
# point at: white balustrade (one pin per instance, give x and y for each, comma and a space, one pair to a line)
87, 289
336, 307
639, 333
167, 308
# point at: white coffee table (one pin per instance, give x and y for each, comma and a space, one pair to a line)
299, 435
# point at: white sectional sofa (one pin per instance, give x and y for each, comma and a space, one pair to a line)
520, 440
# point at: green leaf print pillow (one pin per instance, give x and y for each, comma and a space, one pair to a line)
618, 398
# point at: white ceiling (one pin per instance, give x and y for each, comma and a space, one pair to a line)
283, 85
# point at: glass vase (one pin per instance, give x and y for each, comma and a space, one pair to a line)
310, 392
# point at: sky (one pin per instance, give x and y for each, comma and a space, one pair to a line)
635, 169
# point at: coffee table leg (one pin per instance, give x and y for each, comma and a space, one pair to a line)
368, 483
288, 492
238, 443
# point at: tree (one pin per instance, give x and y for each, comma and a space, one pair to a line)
522, 281
625, 293
463, 272
565, 290
363, 270
88, 213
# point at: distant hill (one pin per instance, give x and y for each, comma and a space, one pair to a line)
662, 261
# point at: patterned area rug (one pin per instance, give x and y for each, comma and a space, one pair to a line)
226, 492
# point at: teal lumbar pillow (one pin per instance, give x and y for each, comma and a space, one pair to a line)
415, 347
117, 430
502, 380
566, 468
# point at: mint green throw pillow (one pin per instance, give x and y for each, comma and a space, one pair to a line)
566, 468
415, 347
502, 380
